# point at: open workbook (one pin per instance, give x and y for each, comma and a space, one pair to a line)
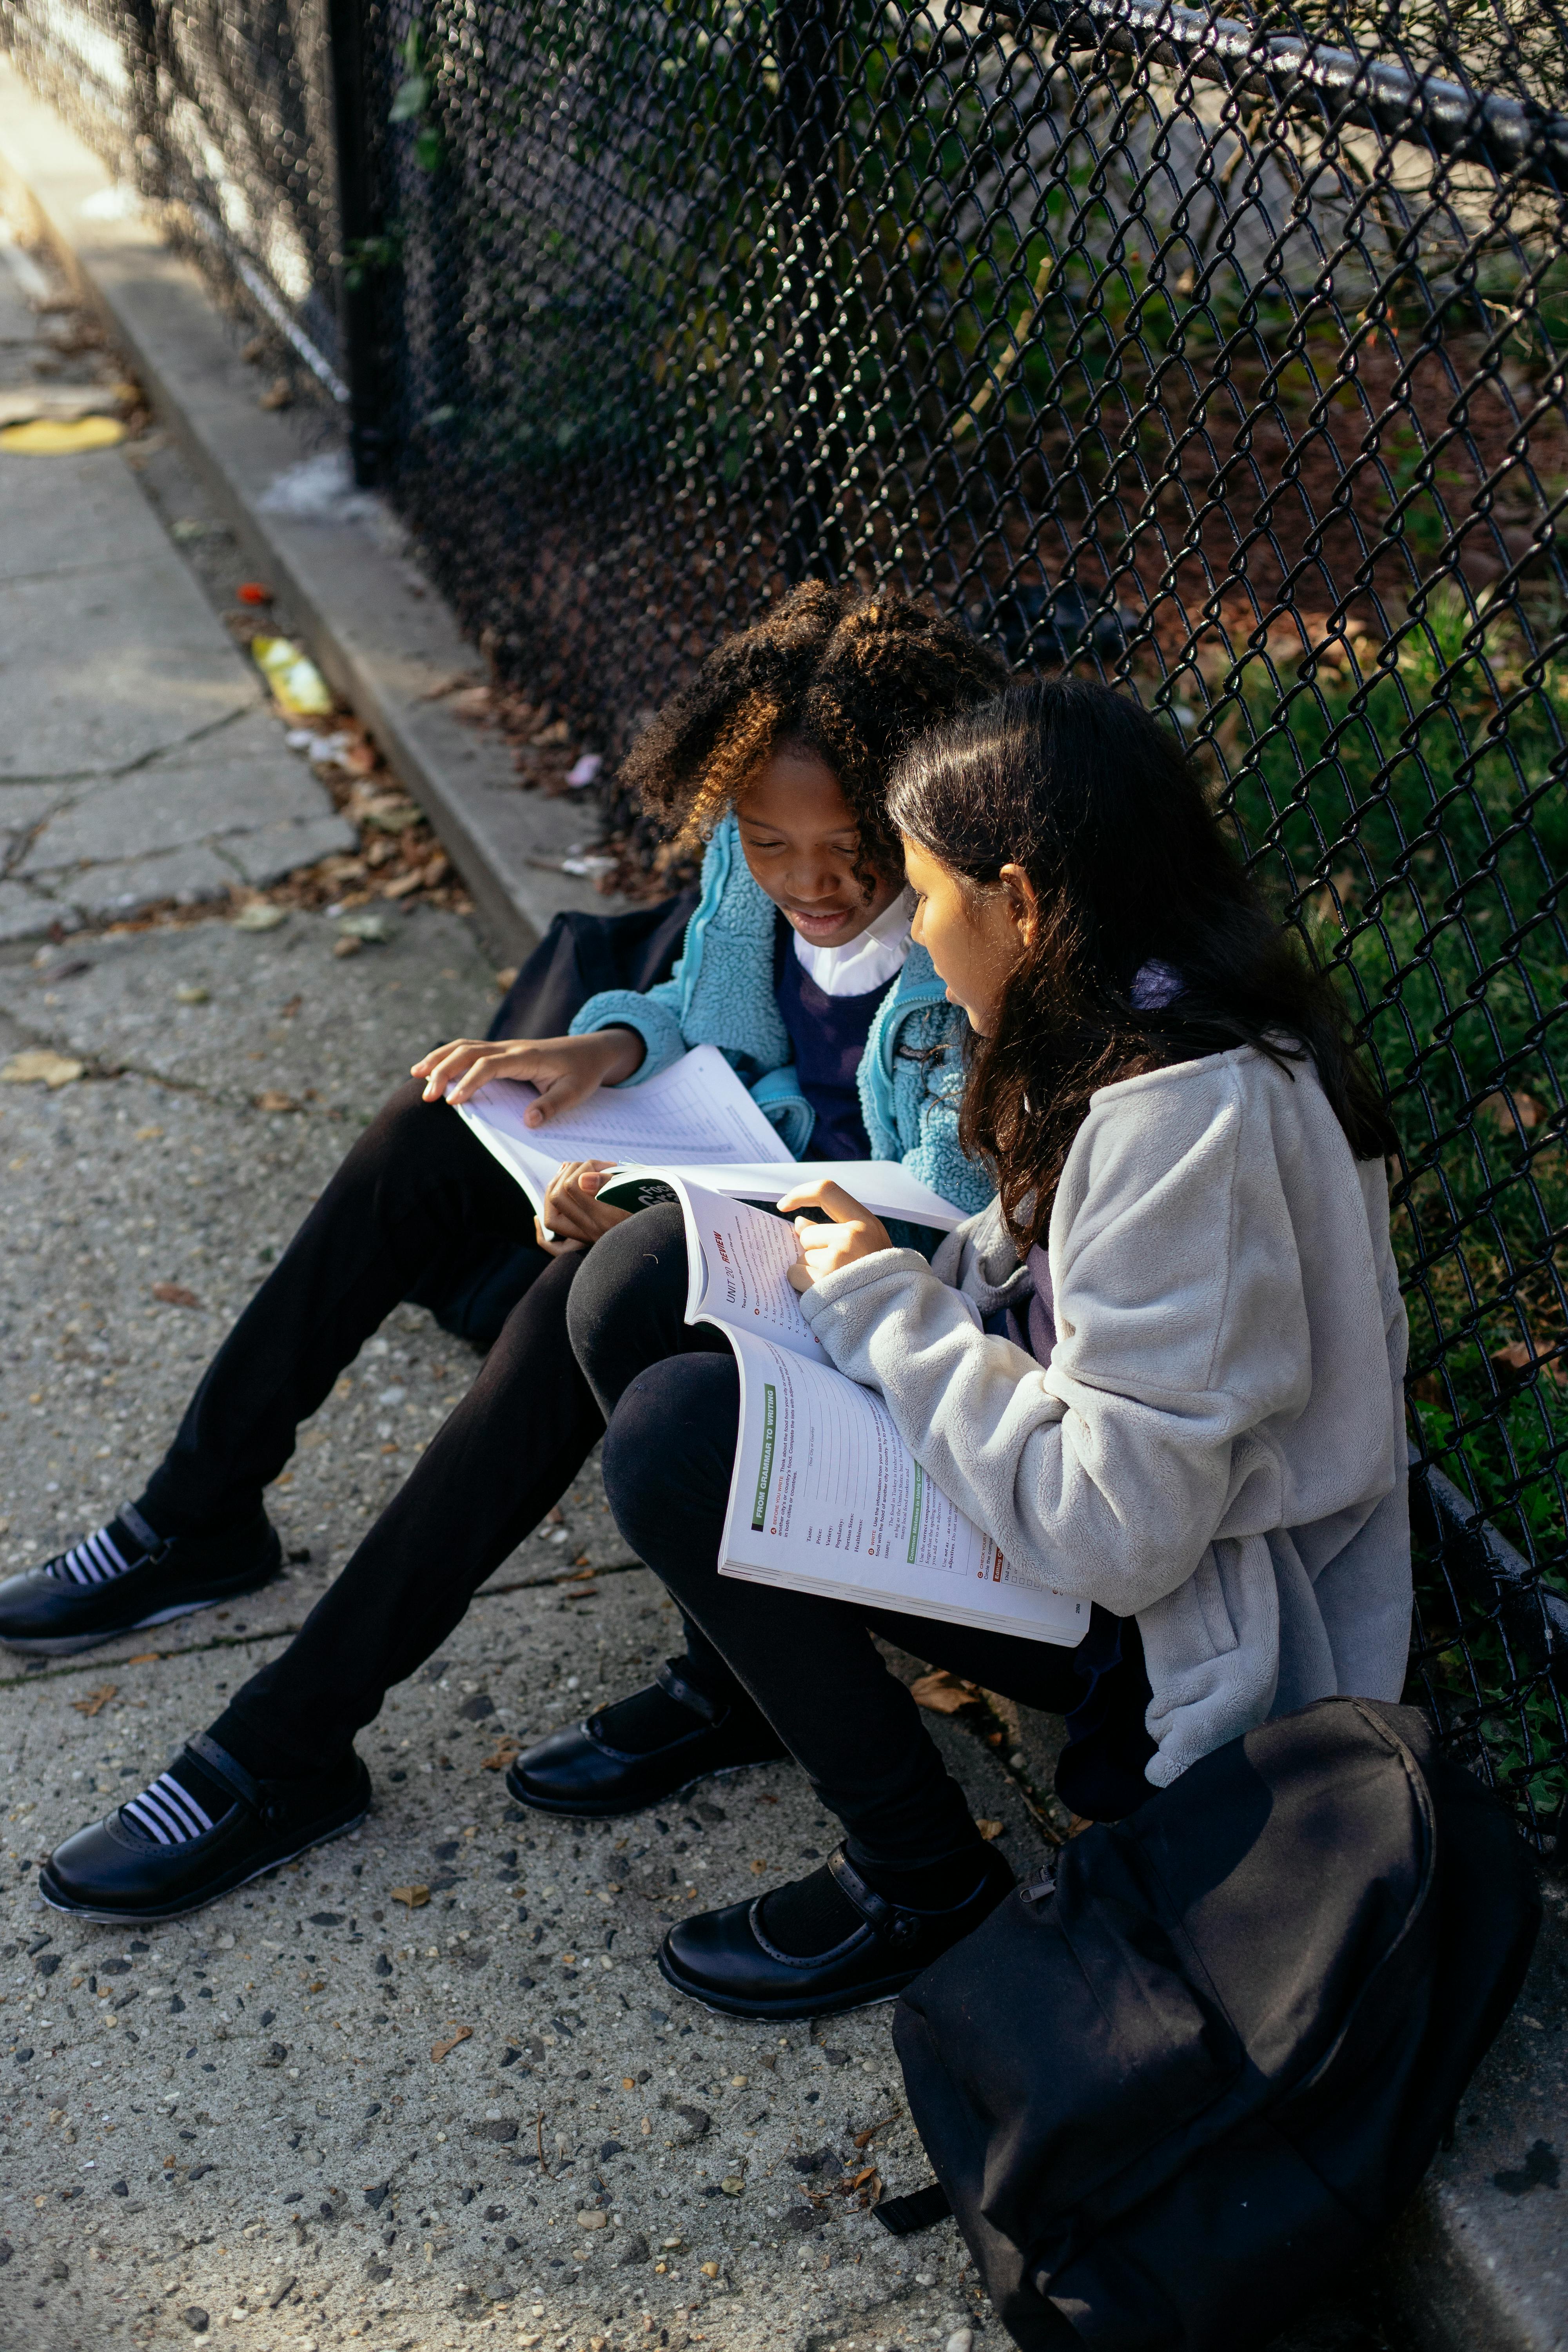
697, 1116
826, 1496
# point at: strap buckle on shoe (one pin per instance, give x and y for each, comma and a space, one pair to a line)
155, 1546
223, 1766
889, 1920
687, 1694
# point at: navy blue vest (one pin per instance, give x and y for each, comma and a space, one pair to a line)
828, 1033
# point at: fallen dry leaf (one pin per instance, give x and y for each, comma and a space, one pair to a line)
439, 2049
270, 1099
96, 1701
174, 1294
403, 886
943, 1693
145, 1658
415, 1896
39, 1066
864, 2138
989, 1830
505, 1751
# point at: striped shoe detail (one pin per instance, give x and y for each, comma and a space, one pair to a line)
168, 1813
97, 1559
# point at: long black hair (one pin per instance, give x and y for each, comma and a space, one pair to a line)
1097, 802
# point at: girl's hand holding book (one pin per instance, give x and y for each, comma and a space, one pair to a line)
854, 1233
566, 1070
572, 1218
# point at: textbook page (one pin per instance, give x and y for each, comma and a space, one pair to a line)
737, 1260
826, 1497
884, 1186
697, 1111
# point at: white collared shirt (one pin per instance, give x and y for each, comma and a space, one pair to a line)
866, 963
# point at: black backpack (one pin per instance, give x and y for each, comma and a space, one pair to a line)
1170, 2096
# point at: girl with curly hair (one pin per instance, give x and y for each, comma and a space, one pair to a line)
1163, 1370
798, 965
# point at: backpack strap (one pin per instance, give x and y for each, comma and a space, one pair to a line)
921, 2211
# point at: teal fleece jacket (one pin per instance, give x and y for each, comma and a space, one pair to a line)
721, 993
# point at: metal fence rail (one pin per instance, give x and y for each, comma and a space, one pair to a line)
1227, 355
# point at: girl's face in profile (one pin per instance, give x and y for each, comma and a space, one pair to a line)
975, 936
801, 842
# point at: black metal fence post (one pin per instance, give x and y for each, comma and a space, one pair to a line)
358, 320
141, 65
807, 32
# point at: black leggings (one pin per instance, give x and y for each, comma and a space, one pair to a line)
414, 1197
810, 1664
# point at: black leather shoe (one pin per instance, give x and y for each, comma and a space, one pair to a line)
724, 1958
113, 1871
51, 1616
578, 1771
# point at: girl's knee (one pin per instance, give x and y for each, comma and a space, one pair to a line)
670, 1449
635, 1272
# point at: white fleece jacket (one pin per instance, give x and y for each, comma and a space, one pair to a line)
1216, 1446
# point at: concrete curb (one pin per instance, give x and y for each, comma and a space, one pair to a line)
1479, 2262
383, 637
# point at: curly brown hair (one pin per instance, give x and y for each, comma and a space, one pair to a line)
853, 678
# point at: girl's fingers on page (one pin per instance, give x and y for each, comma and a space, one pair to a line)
441, 1069
476, 1072
799, 1275
823, 1194
554, 1094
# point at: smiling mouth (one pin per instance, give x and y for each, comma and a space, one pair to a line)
831, 921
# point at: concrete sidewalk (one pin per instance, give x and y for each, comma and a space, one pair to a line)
169, 781
387, 641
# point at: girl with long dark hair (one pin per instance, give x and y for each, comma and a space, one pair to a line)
1162, 1371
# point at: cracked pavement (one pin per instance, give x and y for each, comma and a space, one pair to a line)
170, 781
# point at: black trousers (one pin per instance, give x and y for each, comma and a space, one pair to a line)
810, 1664
415, 1194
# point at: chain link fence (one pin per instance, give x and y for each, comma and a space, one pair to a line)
223, 111
1224, 356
